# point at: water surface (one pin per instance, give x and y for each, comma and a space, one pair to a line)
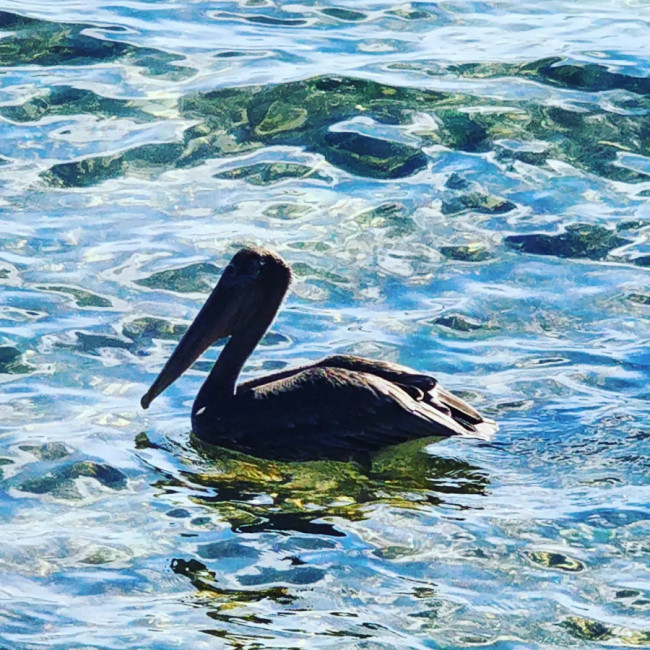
460, 187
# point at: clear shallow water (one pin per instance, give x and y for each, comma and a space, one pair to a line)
496, 237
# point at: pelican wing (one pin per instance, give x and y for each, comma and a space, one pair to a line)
343, 410
421, 387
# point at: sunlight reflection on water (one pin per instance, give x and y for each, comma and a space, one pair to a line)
497, 237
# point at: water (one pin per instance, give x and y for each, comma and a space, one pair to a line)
496, 237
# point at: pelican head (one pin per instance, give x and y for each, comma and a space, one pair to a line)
241, 306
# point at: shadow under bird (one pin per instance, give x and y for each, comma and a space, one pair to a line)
342, 407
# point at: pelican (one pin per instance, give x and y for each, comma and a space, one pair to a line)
342, 407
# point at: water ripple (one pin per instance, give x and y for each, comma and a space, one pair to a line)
460, 187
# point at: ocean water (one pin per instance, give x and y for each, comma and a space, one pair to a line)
462, 187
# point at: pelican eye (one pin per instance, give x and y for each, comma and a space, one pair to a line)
256, 266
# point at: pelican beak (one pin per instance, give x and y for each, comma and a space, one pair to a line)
215, 321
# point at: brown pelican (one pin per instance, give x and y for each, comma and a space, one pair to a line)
341, 407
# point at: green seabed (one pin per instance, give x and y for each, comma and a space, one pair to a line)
238, 121
241, 120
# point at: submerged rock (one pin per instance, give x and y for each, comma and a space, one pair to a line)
301, 113
303, 270
66, 100
194, 278
632, 224
593, 140
60, 481
483, 203
383, 212
108, 476
268, 173
286, 211
590, 77
142, 441
586, 629
3, 462
281, 117
462, 132
347, 15
33, 41
554, 70
89, 343
86, 172
390, 215
82, 297
11, 361
556, 561
272, 338
371, 157
591, 630
9, 273
578, 241
640, 298
457, 182
407, 12
459, 322
48, 450
531, 153
467, 253
148, 328
96, 169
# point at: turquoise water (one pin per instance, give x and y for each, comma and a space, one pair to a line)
460, 187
